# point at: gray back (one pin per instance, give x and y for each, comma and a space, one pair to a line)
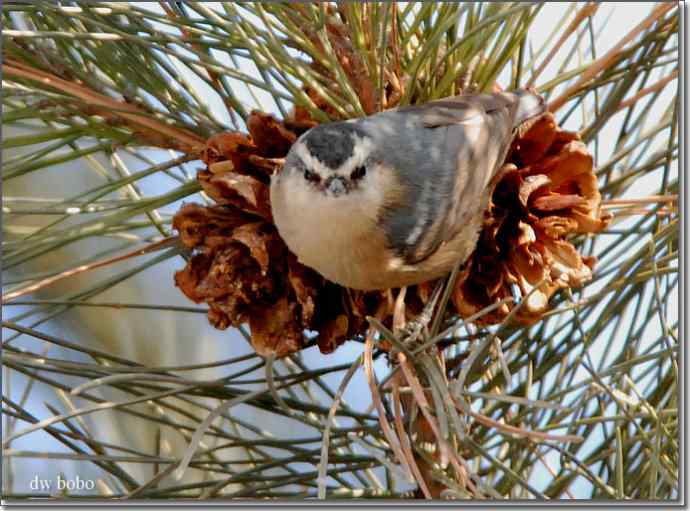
446, 153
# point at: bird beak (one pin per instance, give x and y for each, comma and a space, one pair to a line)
336, 185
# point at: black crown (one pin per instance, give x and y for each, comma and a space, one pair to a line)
332, 144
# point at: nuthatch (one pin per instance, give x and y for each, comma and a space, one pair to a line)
396, 198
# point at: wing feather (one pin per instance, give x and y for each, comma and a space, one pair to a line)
466, 138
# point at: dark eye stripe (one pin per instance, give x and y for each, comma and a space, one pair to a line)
311, 176
358, 173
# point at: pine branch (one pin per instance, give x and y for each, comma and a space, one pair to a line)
124, 95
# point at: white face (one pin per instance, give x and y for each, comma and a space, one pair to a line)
347, 178
326, 216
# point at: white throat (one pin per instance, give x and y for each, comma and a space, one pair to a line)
328, 233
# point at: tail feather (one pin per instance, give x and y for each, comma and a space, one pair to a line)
523, 103
528, 105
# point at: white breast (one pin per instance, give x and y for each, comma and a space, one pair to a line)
337, 236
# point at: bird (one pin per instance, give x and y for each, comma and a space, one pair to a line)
396, 198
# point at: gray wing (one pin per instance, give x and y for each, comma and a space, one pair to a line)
446, 153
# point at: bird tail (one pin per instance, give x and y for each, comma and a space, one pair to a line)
528, 104
523, 104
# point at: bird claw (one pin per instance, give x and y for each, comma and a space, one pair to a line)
412, 330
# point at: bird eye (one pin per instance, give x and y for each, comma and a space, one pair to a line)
311, 176
358, 173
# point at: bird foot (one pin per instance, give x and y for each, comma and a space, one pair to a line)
412, 330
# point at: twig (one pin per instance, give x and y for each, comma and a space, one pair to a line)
270, 383
185, 140
552, 471
323, 464
212, 75
647, 90
423, 404
641, 211
588, 10
153, 247
606, 61
651, 199
205, 424
399, 310
405, 440
513, 430
376, 398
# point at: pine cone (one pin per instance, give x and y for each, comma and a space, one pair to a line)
244, 271
242, 268
547, 193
